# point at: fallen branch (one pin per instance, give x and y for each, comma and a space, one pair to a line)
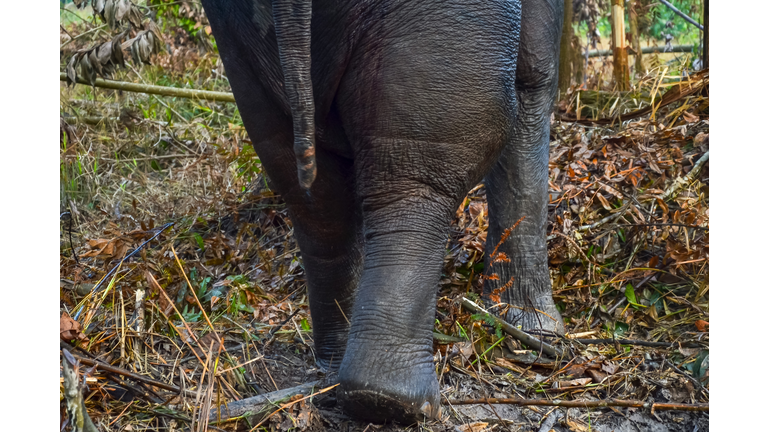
207, 95
518, 334
583, 403
647, 50
253, 405
680, 182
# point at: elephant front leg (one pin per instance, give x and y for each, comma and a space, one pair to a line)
388, 371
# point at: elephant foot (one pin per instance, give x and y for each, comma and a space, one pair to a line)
381, 385
542, 315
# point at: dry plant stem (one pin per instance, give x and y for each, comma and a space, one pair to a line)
687, 376
584, 403
140, 378
253, 405
602, 221
76, 412
207, 95
134, 252
634, 342
680, 182
197, 300
273, 333
191, 333
514, 331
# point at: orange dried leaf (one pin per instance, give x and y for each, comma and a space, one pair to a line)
702, 325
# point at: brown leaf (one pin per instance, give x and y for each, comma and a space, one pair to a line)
702, 325
574, 382
70, 329
597, 375
473, 427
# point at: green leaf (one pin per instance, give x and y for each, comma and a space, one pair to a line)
304, 324
629, 293
620, 328
154, 165
199, 240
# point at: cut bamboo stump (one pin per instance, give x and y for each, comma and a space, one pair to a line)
618, 39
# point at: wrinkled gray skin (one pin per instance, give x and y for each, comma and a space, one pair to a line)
415, 102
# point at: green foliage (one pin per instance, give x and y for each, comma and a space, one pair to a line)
247, 164
490, 321
188, 16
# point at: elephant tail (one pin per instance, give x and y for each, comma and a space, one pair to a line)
292, 27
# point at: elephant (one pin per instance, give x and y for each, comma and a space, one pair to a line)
373, 120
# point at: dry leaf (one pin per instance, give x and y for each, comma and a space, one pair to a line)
702, 325
70, 329
473, 427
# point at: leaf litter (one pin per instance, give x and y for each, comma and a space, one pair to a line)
629, 265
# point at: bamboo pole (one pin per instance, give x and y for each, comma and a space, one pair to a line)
634, 28
705, 50
618, 40
564, 69
647, 50
207, 95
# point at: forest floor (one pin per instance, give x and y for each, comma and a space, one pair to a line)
214, 309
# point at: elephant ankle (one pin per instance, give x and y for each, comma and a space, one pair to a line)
537, 314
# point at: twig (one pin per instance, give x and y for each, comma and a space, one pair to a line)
690, 378
584, 403
682, 181
128, 374
682, 15
635, 342
207, 95
513, 331
272, 333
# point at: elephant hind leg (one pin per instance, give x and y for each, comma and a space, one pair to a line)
517, 185
327, 225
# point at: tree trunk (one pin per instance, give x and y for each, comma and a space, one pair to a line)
635, 30
564, 73
705, 48
618, 39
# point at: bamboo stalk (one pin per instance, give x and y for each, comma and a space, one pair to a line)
207, 95
646, 50
618, 39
